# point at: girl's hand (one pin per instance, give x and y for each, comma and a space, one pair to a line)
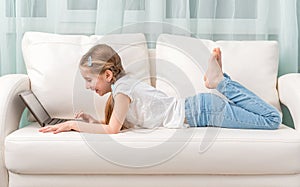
61, 127
85, 117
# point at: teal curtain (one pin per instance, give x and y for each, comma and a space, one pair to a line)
209, 19
212, 19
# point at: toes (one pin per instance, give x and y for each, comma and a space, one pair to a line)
217, 50
217, 55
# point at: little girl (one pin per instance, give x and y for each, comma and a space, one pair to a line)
130, 100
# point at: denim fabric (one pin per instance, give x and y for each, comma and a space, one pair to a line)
243, 109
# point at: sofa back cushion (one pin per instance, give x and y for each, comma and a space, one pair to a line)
52, 63
252, 63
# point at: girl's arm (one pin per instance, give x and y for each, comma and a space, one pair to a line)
117, 119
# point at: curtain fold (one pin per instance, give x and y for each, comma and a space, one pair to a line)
288, 37
109, 16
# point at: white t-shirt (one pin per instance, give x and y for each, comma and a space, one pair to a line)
149, 107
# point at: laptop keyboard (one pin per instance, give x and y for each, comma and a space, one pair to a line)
56, 121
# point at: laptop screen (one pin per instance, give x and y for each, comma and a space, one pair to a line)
35, 106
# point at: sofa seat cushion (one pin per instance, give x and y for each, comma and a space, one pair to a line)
204, 150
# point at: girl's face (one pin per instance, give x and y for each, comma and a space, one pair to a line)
98, 83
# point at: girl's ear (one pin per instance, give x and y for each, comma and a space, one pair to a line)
108, 75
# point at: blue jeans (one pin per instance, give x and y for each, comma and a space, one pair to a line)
244, 109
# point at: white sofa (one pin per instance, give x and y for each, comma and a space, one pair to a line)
206, 156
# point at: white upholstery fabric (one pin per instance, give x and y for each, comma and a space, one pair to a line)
252, 63
180, 65
52, 64
233, 151
18, 180
289, 94
11, 108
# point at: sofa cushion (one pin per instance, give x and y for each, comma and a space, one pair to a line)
204, 150
252, 63
52, 65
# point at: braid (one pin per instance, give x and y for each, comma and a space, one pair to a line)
116, 69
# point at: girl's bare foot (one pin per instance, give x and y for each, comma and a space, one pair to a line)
214, 74
219, 56
217, 53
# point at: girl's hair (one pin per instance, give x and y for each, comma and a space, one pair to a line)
99, 59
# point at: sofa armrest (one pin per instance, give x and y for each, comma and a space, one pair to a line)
289, 95
11, 109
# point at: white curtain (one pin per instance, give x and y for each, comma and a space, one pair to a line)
211, 19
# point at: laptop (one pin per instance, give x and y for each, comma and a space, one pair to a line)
38, 111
